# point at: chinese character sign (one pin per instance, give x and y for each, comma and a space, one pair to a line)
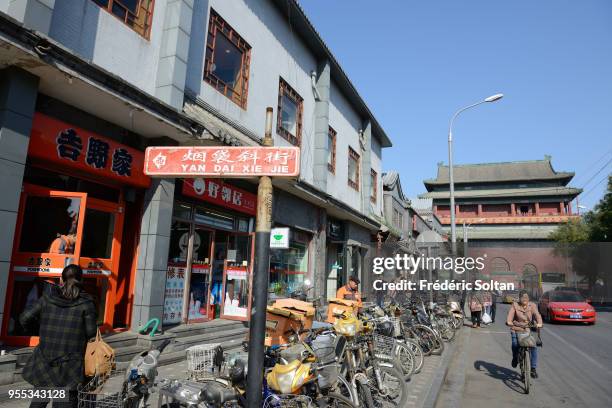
221, 161
217, 192
61, 143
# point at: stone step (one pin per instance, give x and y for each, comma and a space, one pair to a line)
237, 334
189, 330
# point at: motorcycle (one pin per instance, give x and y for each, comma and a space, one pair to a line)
140, 376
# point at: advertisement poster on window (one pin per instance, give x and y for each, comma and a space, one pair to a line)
236, 292
198, 295
173, 300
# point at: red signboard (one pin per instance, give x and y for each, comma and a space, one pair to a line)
221, 161
58, 142
217, 192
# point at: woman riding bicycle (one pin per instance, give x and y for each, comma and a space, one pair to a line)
520, 315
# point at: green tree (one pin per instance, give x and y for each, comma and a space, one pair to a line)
600, 219
573, 231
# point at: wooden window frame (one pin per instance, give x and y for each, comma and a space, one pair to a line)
352, 154
284, 89
131, 19
218, 26
374, 176
332, 166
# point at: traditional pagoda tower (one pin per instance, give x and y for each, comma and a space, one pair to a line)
507, 206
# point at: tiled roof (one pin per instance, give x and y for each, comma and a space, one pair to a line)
506, 192
495, 172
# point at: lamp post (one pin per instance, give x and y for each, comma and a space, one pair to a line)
491, 98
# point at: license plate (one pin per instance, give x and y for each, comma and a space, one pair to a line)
575, 316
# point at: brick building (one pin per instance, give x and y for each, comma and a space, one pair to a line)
508, 211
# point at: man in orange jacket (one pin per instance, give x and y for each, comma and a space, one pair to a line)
350, 291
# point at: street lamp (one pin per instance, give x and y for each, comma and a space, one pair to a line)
491, 98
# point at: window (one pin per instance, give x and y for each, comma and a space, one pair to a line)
227, 60
50, 225
289, 267
374, 182
137, 14
98, 234
353, 169
331, 150
289, 123
398, 219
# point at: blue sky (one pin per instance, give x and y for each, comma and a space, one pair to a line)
417, 61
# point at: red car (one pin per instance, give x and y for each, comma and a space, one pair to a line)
566, 306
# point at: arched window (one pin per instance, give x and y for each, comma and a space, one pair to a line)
529, 269
500, 266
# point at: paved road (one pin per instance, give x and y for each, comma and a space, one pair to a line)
575, 368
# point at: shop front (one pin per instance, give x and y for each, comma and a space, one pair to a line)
210, 259
289, 266
79, 205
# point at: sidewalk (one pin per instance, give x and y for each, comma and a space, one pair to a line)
423, 387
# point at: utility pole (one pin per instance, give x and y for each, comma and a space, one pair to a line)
257, 324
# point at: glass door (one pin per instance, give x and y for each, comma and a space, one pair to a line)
99, 258
237, 277
48, 237
199, 285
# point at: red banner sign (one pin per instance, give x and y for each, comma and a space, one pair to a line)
221, 161
55, 141
217, 192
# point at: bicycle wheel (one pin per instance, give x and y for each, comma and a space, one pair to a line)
446, 331
405, 358
425, 336
344, 388
417, 352
334, 400
526, 369
438, 347
392, 391
364, 395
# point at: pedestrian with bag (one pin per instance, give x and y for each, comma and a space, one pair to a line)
487, 301
475, 308
67, 319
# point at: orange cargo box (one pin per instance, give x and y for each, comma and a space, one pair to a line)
306, 309
280, 324
337, 306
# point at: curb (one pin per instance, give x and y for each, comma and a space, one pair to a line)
443, 369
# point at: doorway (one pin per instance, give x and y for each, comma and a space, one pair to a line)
54, 229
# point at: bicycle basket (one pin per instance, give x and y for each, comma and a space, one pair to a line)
324, 347
526, 339
287, 401
102, 392
384, 346
200, 360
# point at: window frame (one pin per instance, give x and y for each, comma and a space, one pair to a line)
352, 154
284, 89
374, 189
332, 166
144, 30
217, 25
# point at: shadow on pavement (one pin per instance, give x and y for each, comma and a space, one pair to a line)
511, 378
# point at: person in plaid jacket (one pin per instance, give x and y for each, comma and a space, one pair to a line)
67, 319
